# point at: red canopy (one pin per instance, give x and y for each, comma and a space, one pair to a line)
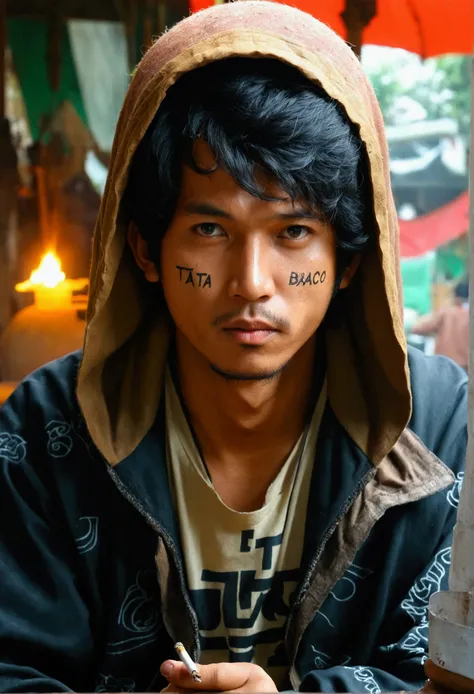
426, 27
435, 229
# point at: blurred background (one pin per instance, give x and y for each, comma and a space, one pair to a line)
64, 69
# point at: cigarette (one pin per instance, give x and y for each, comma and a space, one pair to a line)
185, 658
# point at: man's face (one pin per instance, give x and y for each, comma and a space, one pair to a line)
247, 282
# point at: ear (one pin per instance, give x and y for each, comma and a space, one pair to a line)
140, 252
349, 272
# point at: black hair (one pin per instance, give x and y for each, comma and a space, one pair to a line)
255, 115
462, 290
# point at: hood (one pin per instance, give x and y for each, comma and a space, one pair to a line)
121, 376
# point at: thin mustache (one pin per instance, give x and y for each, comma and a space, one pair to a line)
260, 314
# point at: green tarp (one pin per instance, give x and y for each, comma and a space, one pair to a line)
28, 42
94, 69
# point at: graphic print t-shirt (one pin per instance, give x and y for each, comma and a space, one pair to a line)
241, 568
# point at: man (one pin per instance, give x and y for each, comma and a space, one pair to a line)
243, 458
450, 326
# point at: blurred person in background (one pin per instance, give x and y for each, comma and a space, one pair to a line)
450, 327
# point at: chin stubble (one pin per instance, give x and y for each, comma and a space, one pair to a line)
248, 377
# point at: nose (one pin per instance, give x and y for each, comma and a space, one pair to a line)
252, 275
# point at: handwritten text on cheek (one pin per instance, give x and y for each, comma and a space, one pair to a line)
196, 279
298, 279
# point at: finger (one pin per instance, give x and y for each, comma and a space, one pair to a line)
214, 677
178, 676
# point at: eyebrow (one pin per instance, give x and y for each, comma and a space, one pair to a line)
207, 209
301, 214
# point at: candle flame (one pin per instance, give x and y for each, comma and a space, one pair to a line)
52, 291
49, 272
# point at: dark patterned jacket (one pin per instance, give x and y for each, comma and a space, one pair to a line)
92, 587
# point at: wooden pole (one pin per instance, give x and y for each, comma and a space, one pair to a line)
130, 28
451, 667
462, 564
126, 10
147, 24
356, 16
53, 51
3, 47
161, 16
9, 182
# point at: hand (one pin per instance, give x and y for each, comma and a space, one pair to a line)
222, 677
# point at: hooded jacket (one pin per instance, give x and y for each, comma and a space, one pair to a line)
93, 592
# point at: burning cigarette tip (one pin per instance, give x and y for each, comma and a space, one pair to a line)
185, 658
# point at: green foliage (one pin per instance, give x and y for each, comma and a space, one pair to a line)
453, 73
442, 86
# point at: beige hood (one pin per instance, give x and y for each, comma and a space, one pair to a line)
121, 375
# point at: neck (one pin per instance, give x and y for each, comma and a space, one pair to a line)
233, 420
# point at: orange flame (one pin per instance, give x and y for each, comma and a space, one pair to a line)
48, 274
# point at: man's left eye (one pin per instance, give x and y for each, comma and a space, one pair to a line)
296, 232
209, 229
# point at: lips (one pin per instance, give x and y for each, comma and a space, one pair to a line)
250, 332
248, 326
